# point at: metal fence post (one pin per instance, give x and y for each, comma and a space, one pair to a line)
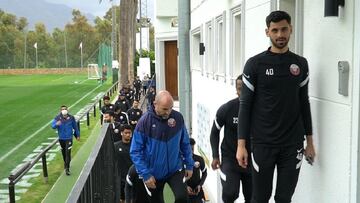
11, 191
87, 119
44, 165
95, 110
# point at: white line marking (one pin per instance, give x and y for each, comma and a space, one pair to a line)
42, 128
83, 81
58, 79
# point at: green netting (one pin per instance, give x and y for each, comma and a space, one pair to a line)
105, 60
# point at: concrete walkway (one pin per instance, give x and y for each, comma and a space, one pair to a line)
63, 186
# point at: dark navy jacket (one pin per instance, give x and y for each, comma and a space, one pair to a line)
68, 127
160, 147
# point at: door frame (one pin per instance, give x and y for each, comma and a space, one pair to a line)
160, 60
168, 77
355, 129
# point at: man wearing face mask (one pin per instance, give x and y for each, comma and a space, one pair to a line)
161, 151
66, 127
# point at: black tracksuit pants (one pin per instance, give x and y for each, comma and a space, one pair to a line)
66, 146
231, 176
287, 161
177, 186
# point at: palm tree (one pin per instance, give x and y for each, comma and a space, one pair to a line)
128, 11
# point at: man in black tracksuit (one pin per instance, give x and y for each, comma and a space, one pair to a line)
134, 114
107, 107
122, 149
122, 104
137, 86
113, 125
135, 191
230, 172
122, 118
275, 112
130, 94
195, 183
150, 96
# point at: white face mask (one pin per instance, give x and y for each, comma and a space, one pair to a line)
64, 112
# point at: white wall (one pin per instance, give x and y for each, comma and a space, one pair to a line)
327, 41
165, 11
166, 8
210, 92
333, 178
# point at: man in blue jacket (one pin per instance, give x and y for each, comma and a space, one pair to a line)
160, 150
66, 127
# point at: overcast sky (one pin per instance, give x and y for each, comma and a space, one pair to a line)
93, 6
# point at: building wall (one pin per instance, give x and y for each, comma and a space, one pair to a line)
324, 42
165, 12
327, 41
166, 8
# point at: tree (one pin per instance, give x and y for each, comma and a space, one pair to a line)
80, 31
22, 24
128, 11
103, 28
108, 16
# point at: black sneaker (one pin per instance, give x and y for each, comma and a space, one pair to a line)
67, 172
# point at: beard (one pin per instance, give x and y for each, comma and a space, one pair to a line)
279, 44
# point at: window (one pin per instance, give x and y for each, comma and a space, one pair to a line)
237, 42
220, 40
209, 50
195, 46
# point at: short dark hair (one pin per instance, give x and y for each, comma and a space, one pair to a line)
277, 16
239, 77
126, 127
192, 141
106, 98
136, 100
62, 106
110, 112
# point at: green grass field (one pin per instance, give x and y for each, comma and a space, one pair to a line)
28, 103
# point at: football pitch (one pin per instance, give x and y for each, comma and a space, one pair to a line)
29, 102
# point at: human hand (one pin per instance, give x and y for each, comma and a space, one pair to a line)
198, 189
78, 138
190, 191
215, 164
151, 182
188, 174
58, 123
242, 156
310, 153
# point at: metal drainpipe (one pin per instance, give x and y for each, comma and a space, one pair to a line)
184, 59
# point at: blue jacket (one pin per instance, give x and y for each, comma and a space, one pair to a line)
67, 128
160, 147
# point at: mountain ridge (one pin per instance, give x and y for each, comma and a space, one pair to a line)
52, 15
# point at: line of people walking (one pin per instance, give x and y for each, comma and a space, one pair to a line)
265, 127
